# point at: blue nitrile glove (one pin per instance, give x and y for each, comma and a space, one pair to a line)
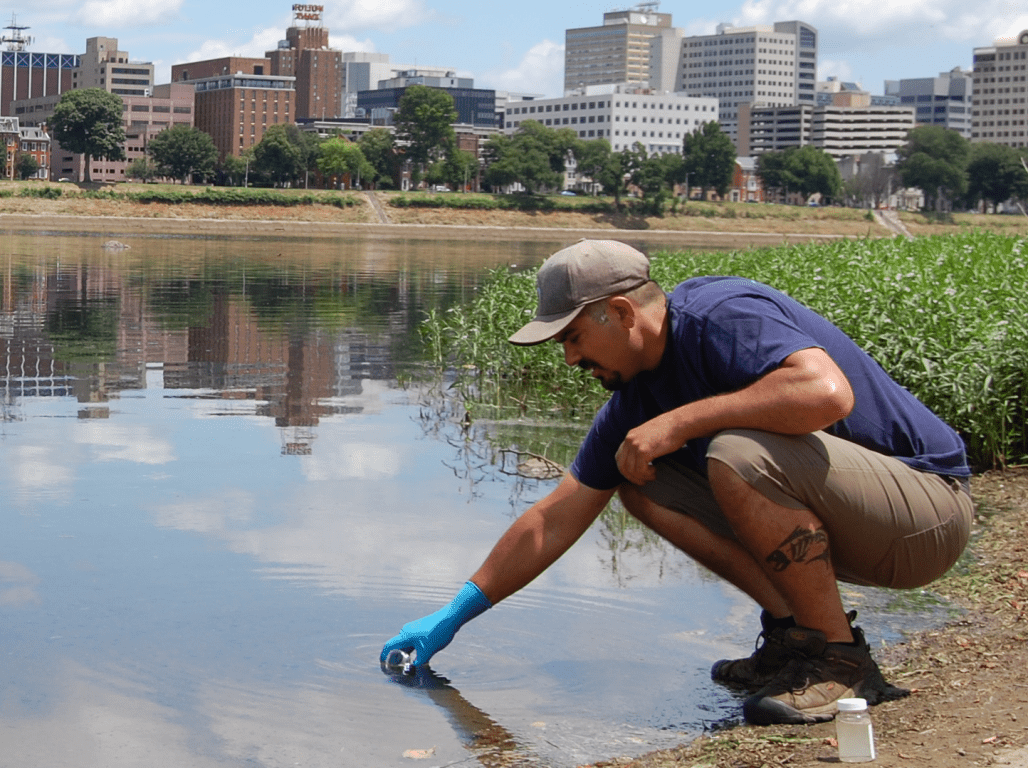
432, 633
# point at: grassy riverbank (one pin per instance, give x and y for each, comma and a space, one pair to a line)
177, 202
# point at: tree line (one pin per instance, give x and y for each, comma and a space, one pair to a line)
950, 170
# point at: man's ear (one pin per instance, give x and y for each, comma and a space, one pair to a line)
623, 310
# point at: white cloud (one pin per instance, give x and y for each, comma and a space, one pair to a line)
850, 24
841, 70
17, 584
123, 443
39, 468
261, 41
352, 460
541, 70
125, 13
210, 515
359, 15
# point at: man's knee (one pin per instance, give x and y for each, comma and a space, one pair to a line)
635, 501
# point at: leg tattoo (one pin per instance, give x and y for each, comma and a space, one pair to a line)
801, 546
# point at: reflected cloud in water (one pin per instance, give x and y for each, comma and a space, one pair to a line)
221, 503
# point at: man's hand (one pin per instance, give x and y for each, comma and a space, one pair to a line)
646, 443
431, 634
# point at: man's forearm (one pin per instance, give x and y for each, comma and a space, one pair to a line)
806, 393
539, 537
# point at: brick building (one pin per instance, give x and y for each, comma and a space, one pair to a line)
26, 74
306, 56
237, 99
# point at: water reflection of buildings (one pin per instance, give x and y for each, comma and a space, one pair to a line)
53, 328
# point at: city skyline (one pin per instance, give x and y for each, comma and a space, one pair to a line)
524, 51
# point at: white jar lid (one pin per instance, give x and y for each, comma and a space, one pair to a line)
851, 705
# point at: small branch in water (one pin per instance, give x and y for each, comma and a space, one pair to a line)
531, 465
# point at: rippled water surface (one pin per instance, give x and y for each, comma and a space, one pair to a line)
219, 502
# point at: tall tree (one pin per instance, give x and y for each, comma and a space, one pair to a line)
142, 168
814, 171
341, 157
654, 175
934, 159
535, 156
89, 122
805, 170
26, 166
775, 173
280, 155
874, 179
380, 151
458, 169
183, 151
424, 123
709, 156
995, 174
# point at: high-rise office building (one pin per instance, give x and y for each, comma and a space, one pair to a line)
28, 75
944, 100
305, 55
763, 66
616, 52
999, 99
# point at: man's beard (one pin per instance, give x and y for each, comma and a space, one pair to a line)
611, 383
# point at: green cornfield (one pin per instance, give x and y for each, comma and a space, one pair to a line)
945, 316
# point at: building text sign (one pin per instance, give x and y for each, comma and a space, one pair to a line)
308, 12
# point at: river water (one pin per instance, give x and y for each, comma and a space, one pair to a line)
222, 493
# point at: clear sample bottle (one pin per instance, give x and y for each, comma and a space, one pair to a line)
400, 661
854, 731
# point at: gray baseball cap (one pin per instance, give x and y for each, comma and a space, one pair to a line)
580, 274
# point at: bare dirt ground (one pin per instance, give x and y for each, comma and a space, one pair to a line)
968, 680
751, 224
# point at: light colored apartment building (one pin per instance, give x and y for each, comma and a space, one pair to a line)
944, 100
1000, 94
145, 117
624, 114
104, 66
772, 66
618, 51
236, 100
841, 130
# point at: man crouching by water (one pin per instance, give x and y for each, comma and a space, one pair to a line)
760, 440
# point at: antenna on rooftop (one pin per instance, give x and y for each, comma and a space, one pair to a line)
651, 6
16, 41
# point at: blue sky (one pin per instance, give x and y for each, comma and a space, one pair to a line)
519, 46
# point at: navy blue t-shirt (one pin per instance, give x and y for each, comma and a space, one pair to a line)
727, 332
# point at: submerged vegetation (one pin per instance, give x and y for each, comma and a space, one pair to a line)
944, 315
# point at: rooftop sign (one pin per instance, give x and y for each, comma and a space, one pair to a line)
303, 12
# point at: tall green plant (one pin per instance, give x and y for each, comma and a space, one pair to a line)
943, 315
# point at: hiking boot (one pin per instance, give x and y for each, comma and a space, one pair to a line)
820, 673
757, 669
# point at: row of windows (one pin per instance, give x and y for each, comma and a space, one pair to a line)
530, 110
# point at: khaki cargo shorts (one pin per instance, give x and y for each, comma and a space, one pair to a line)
888, 525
